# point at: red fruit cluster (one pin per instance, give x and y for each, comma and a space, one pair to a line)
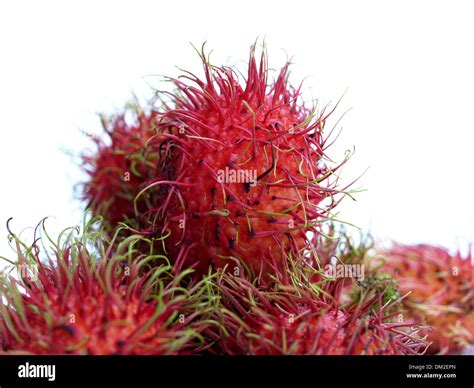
230, 172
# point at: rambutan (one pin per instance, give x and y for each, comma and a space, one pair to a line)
121, 167
301, 317
440, 291
244, 166
80, 298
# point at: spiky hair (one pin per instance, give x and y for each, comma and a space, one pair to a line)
250, 126
83, 297
441, 290
300, 316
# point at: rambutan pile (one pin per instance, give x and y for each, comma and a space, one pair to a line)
213, 230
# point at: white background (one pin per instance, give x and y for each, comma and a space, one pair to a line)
408, 67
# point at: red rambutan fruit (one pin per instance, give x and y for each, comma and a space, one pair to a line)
121, 167
301, 317
86, 300
244, 166
441, 291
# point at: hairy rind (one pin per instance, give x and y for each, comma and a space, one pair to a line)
256, 319
121, 166
247, 122
274, 125
440, 288
133, 298
420, 275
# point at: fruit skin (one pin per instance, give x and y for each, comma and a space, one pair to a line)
121, 167
304, 318
244, 168
441, 291
83, 301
